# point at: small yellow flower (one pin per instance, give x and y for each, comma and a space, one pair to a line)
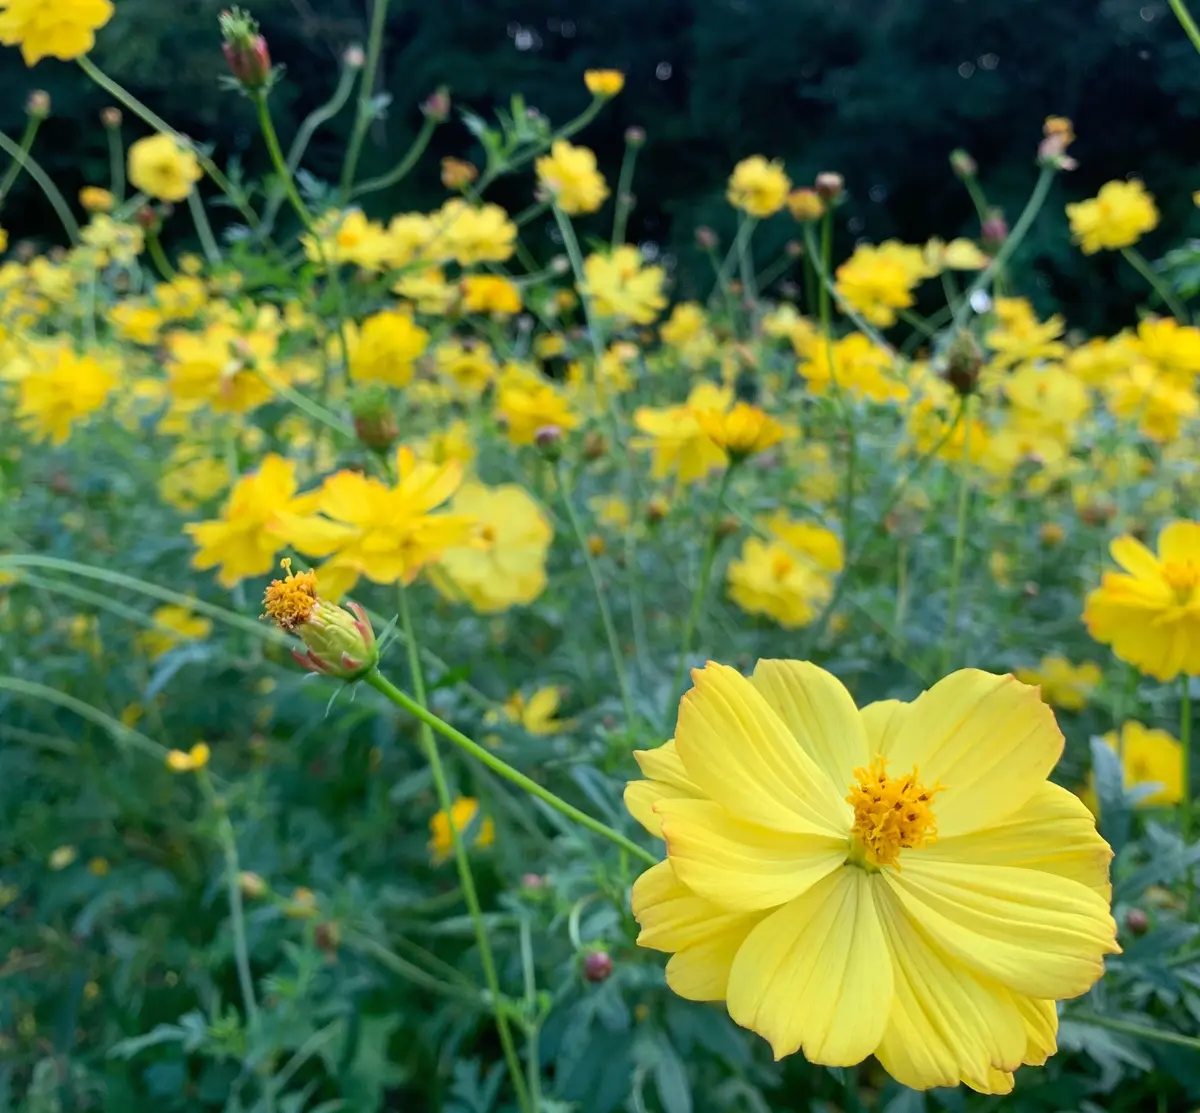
163, 168
96, 200
63, 856
189, 761
621, 285
604, 83
302, 905
1150, 757
62, 29
99, 867
457, 173
463, 813
490, 293
1118, 216
743, 431
758, 187
568, 174
173, 626
1063, 684
805, 205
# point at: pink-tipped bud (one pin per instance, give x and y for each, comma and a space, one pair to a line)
436, 106
38, 105
598, 966
706, 237
111, 118
355, 57
245, 49
635, 136
548, 440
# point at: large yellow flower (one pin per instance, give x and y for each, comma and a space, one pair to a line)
161, 167
62, 29
900, 881
60, 390
621, 287
1118, 216
568, 174
1150, 612
878, 281
675, 438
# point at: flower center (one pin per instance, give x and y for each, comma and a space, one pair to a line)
290, 601
1183, 579
890, 814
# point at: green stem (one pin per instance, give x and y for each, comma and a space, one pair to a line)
410, 970
18, 164
161, 262
267, 126
701, 591
365, 113
502, 769
404, 167
1136, 260
977, 196
624, 200
462, 861
52, 192
1185, 741
116, 164
772, 272
610, 630
314, 409
1139, 1030
826, 268
203, 229
916, 322
960, 538
508, 166
828, 289
746, 269
532, 1024
1186, 21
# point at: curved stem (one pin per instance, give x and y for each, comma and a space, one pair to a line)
403, 167
161, 262
565, 132
1185, 742
52, 192
17, 165
624, 199
462, 861
1186, 21
203, 229
366, 95
314, 409
1136, 260
1139, 1030
960, 537
267, 126
381, 684
701, 591
116, 164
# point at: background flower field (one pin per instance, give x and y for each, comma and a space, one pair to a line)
503, 474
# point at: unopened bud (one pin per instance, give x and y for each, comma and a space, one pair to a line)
1052, 534
354, 57
598, 966
533, 882
245, 49
111, 118
963, 165
328, 936
829, 185
635, 137
994, 230
657, 508
148, 218
727, 527
1058, 134
457, 173
595, 446
436, 106
963, 363
560, 264
548, 441
251, 884
1137, 921
805, 205
374, 422
38, 105
596, 545
706, 237
794, 249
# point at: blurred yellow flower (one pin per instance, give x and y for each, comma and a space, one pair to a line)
788, 576
805, 205
758, 187
136, 321
675, 439
604, 83
173, 626
490, 293
162, 168
526, 402
621, 286
878, 281
62, 29
1150, 612
1063, 684
1155, 401
957, 255
63, 856
96, 200
568, 175
451, 442
385, 349
189, 761
1149, 757
220, 367
1174, 349
463, 813
468, 234
742, 431
347, 236
1118, 216
1019, 337
470, 365
60, 390
535, 714
856, 364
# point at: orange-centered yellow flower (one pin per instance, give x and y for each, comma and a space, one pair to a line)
901, 881
1150, 612
1118, 216
758, 187
743, 431
568, 174
62, 29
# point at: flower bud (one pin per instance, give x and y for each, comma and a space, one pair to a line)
251, 885
963, 363
994, 230
596, 545
374, 422
805, 205
963, 165
328, 936
354, 57
111, 118
635, 137
457, 173
38, 104
657, 508
548, 441
436, 106
1058, 135
533, 882
597, 966
595, 446
1052, 534
338, 642
245, 50
794, 249
706, 238
1137, 922
829, 185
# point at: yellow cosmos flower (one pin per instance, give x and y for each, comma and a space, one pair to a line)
162, 168
675, 439
428, 290
787, 576
173, 626
1019, 337
1158, 404
469, 365
855, 364
220, 367
758, 187
604, 83
805, 205
877, 281
1174, 349
386, 348
1118, 216
347, 236
96, 200
900, 881
463, 813
63, 29
189, 761
527, 402
1150, 612
743, 431
366, 528
568, 174
490, 293
957, 255
621, 286
535, 714
1149, 758
60, 390
504, 563
244, 541
452, 442
469, 235
1063, 684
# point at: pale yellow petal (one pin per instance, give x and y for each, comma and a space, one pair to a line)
740, 753
882, 720
1041, 1029
820, 713
1135, 558
741, 865
989, 740
815, 975
1040, 935
667, 780
1179, 543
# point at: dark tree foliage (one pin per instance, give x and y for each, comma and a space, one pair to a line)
881, 90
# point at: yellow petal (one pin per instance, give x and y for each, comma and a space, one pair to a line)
1053, 832
882, 720
1179, 543
667, 780
703, 937
990, 740
1040, 935
312, 535
820, 713
740, 865
946, 1023
739, 752
1135, 558
815, 975
1041, 1029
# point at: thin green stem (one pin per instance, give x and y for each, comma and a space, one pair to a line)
610, 630
462, 861
509, 165
1185, 742
533, 1062
365, 112
746, 269
975, 190
410, 970
203, 229
827, 288
502, 769
916, 322
404, 167
701, 591
314, 409
826, 268
960, 538
116, 164
1139, 1030
267, 126
161, 263
18, 164
624, 199
1136, 260
52, 192
772, 272
1186, 21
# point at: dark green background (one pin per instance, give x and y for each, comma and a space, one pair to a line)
873, 88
